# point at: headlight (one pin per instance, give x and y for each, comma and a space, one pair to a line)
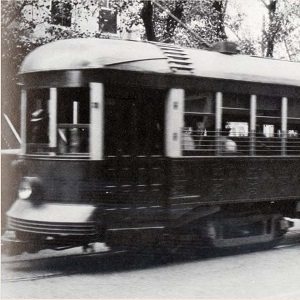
28, 186
25, 189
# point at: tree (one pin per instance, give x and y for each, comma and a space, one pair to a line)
157, 19
147, 17
273, 28
165, 21
207, 19
22, 20
283, 20
13, 51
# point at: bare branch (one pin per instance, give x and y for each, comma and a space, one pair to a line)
287, 49
265, 4
225, 6
233, 31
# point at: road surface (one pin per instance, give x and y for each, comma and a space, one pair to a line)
271, 274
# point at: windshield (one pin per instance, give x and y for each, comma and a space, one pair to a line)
57, 121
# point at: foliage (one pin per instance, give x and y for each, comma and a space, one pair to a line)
205, 18
27, 24
282, 27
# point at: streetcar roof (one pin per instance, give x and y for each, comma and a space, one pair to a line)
92, 53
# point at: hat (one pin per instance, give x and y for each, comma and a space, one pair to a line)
37, 115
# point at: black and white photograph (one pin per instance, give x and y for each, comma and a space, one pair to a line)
150, 149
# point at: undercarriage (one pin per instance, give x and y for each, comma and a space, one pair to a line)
202, 227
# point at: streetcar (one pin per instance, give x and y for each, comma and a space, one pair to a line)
145, 144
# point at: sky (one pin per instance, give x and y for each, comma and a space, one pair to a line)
254, 11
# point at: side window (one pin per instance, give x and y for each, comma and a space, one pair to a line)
268, 125
73, 120
293, 132
199, 136
199, 123
235, 124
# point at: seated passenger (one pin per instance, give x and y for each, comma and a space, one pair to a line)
199, 133
187, 139
227, 145
39, 121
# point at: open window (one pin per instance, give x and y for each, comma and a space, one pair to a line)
235, 123
268, 125
199, 123
293, 127
73, 118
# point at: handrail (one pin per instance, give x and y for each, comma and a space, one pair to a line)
206, 143
67, 125
12, 128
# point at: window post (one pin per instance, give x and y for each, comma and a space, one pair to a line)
96, 121
53, 120
253, 105
23, 120
284, 110
174, 122
219, 105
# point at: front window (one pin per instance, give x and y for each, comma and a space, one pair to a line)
73, 120
59, 126
37, 121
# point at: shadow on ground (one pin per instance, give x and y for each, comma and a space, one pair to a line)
123, 261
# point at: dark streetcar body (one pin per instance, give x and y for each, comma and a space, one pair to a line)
152, 145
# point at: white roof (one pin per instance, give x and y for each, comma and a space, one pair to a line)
92, 53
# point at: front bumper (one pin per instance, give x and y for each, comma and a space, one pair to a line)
52, 219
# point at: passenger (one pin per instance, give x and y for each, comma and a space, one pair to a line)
227, 144
62, 140
39, 121
261, 141
187, 139
200, 132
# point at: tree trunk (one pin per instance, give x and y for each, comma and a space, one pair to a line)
147, 17
219, 20
172, 23
271, 35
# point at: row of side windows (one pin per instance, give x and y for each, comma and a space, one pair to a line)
200, 135
135, 123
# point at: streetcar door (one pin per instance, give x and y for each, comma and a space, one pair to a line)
134, 144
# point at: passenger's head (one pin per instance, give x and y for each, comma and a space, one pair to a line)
226, 128
37, 116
